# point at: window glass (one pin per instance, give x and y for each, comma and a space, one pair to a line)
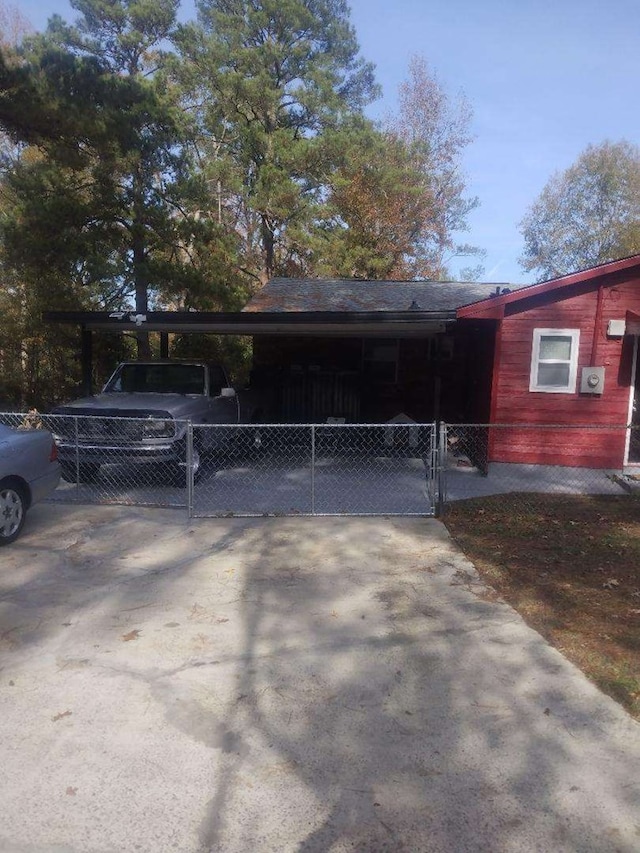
556, 375
555, 347
158, 378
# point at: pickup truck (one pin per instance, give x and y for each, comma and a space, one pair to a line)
142, 415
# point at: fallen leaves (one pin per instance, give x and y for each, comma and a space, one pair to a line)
60, 716
582, 592
131, 635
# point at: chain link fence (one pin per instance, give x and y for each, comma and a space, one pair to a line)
116, 460
242, 469
531, 460
330, 469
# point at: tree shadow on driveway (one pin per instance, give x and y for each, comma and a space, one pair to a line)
291, 685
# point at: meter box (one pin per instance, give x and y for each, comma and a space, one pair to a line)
592, 380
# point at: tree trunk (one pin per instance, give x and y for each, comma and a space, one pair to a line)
268, 250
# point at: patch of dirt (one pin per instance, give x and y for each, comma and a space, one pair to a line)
570, 565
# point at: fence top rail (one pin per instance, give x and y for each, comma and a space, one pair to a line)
322, 426
34, 416
544, 426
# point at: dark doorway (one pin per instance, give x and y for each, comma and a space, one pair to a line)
634, 438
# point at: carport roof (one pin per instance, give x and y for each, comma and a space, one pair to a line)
305, 306
380, 323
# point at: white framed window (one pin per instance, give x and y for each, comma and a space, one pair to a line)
554, 360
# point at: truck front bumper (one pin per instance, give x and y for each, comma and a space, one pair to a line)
118, 454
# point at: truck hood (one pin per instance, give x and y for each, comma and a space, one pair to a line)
177, 405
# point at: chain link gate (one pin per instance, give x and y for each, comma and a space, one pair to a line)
315, 469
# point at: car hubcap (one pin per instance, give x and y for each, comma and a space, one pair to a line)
10, 512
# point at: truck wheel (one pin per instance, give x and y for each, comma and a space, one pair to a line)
179, 470
87, 472
13, 511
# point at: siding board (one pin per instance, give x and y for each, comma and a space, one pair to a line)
514, 403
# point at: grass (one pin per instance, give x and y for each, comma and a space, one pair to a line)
570, 565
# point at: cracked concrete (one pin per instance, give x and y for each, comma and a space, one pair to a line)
291, 684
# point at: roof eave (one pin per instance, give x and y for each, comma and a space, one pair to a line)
263, 323
494, 306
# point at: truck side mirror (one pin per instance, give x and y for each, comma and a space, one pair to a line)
228, 392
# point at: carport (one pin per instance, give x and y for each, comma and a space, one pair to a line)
354, 377
365, 351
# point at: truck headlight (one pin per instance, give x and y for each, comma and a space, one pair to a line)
158, 428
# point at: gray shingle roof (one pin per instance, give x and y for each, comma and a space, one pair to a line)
303, 294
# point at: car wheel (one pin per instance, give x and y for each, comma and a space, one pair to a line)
87, 472
13, 511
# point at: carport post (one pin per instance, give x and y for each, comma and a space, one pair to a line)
86, 359
164, 344
313, 470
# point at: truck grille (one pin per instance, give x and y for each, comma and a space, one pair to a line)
109, 430
106, 428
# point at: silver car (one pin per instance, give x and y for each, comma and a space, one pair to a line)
29, 471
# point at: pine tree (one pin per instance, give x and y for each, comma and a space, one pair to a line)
268, 79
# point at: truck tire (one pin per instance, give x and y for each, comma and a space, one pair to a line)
87, 472
178, 470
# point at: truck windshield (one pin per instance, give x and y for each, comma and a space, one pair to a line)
158, 379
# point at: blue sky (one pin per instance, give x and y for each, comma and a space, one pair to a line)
545, 78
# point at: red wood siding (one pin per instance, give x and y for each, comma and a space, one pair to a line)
513, 403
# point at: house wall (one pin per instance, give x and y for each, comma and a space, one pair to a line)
467, 386
513, 403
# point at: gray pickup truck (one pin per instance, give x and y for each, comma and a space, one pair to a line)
142, 415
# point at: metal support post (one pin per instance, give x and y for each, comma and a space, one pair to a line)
190, 475
442, 470
313, 470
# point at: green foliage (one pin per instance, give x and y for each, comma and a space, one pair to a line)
395, 196
160, 166
106, 196
586, 215
375, 206
233, 351
266, 80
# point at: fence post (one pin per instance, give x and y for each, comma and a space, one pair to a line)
313, 469
77, 443
190, 475
442, 469
432, 485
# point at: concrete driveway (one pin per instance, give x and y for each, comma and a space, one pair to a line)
292, 684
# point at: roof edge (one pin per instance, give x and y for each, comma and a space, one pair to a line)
494, 305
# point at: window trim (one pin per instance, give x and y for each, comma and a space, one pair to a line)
538, 334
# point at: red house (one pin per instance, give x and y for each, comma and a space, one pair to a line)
566, 355
540, 363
